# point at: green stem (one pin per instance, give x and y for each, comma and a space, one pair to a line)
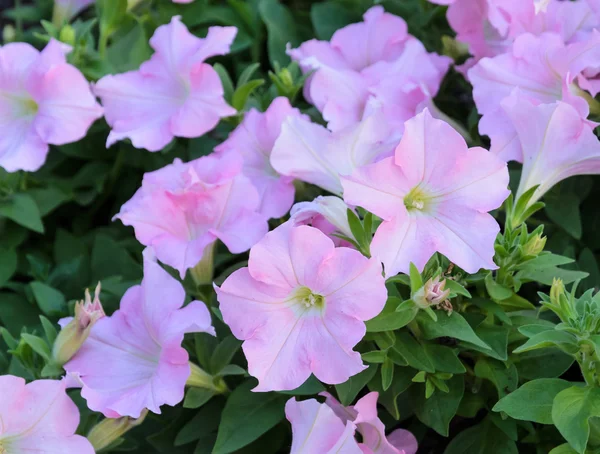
18, 21
588, 368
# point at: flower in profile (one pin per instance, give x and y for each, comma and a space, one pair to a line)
65, 10
433, 196
355, 60
338, 424
75, 330
43, 100
39, 417
300, 307
183, 208
311, 153
133, 359
254, 139
329, 214
174, 94
556, 142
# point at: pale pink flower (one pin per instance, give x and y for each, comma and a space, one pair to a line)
300, 307
311, 153
254, 139
185, 207
38, 417
43, 100
359, 56
65, 10
133, 359
433, 196
556, 142
174, 94
317, 429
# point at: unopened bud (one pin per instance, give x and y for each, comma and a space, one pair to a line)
109, 430
286, 78
432, 293
8, 33
76, 331
535, 245
67, 35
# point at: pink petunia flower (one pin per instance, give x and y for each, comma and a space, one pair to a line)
360, 56
43, 100
311, 153
174, 94
543, 68
336, 426
254, 139
300, 307
133, 359
38, 417
556, 142
65, 10
433, 195
183, 208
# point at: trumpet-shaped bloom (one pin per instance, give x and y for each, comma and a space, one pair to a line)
185, 207
43, 100
38, 417
134, 359
174, 94
64, 10
433, 195
356, 59
311, 153
329, 214
556, 142
543, 69
300, 307
335, 425
254, 139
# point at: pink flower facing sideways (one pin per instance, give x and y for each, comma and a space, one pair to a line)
43, 100
133, 359
300, 307
174, 94
359, 57
38, 417
183, 208
330, 428
433, 196
254, 139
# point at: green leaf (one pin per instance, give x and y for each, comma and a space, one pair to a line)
202, 424
533, 400
453, 325
561, 339
16, 312
111, 259
49, 330
496, 337
327, 17
196, 397
413, 352
416, 281
457, 288
8, 265
130, 50
437, 411
223, 354
496, 291
387, 374
310, 387
400, 383
564, 212
232, 369
281, 30
247, 73
394, 315
38, 345
225, 81
571, 413
22, 209
545, 260
504, 376
50, 301
444, 359
484, 438
375, 356
110, 14
348, 390
241, 94
544, 363
563, 449
246, 416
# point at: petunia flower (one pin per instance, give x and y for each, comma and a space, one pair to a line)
174, 94
65, 10
300, 307
359, 56
43, 100
183, 208
433, 196
311, 153
556, 142
38, 417
254, 139
133, 359
543, 68
335, 425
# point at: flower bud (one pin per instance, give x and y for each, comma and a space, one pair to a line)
534, 245
76, 331
107, 431
67, 35
433, 293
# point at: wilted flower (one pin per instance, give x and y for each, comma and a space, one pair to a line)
300, 307
433, 293
174, 94
254, 139
39, 417
43, 100
434, 195
183, 208
133, 359
75, 330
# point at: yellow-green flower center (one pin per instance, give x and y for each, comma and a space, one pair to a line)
308, 300
30, 107
416, 199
